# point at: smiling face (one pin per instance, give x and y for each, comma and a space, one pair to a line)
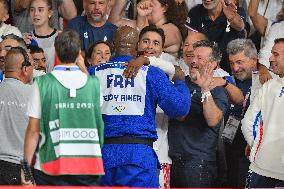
201, 57
242, 66
188, 48
100, 54
151, 44
40, 12
277, 59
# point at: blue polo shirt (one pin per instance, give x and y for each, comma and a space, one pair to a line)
90, 34
198, 19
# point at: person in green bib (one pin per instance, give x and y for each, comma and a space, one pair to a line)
65, 130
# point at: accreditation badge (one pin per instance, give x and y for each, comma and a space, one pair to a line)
231, 129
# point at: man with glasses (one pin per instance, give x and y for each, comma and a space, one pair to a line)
15, 93
7, 42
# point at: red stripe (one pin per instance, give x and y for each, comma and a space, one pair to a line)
74, 166
260, 137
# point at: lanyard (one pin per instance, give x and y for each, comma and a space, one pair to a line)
245, 102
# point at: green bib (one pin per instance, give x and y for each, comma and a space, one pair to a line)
71, 128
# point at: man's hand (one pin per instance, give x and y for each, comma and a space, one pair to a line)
23, 180
230, 10
133, 66
205, 77
216, 82
179, 74
264, 74
144, 8
27, 38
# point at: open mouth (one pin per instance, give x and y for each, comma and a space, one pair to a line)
192, 66
149, 53
272, 67
96, 14
36, 19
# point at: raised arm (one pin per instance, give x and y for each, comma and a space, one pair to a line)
174, 100
233, 16
115, 16
211, 112
67, 9
259, 22
134, 66
235, 94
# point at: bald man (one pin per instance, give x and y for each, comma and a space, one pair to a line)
128, 108
14, 96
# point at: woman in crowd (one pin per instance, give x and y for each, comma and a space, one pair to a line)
43, 33
98, 53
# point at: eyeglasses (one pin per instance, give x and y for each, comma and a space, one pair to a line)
26, 61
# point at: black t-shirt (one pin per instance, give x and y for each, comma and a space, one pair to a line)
193, 137
217, 30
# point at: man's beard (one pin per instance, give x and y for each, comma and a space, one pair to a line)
98, 18
193, 77
212, 6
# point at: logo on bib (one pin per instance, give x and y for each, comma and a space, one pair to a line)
118, 108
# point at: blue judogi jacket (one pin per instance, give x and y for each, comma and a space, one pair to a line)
128, 118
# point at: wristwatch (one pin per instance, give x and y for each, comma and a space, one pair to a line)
227, 82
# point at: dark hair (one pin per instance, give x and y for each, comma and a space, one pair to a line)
90, 50
5, 4
153, 28
172, 13
36, 49
20, 40
67, 46
279, 40
216, 54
